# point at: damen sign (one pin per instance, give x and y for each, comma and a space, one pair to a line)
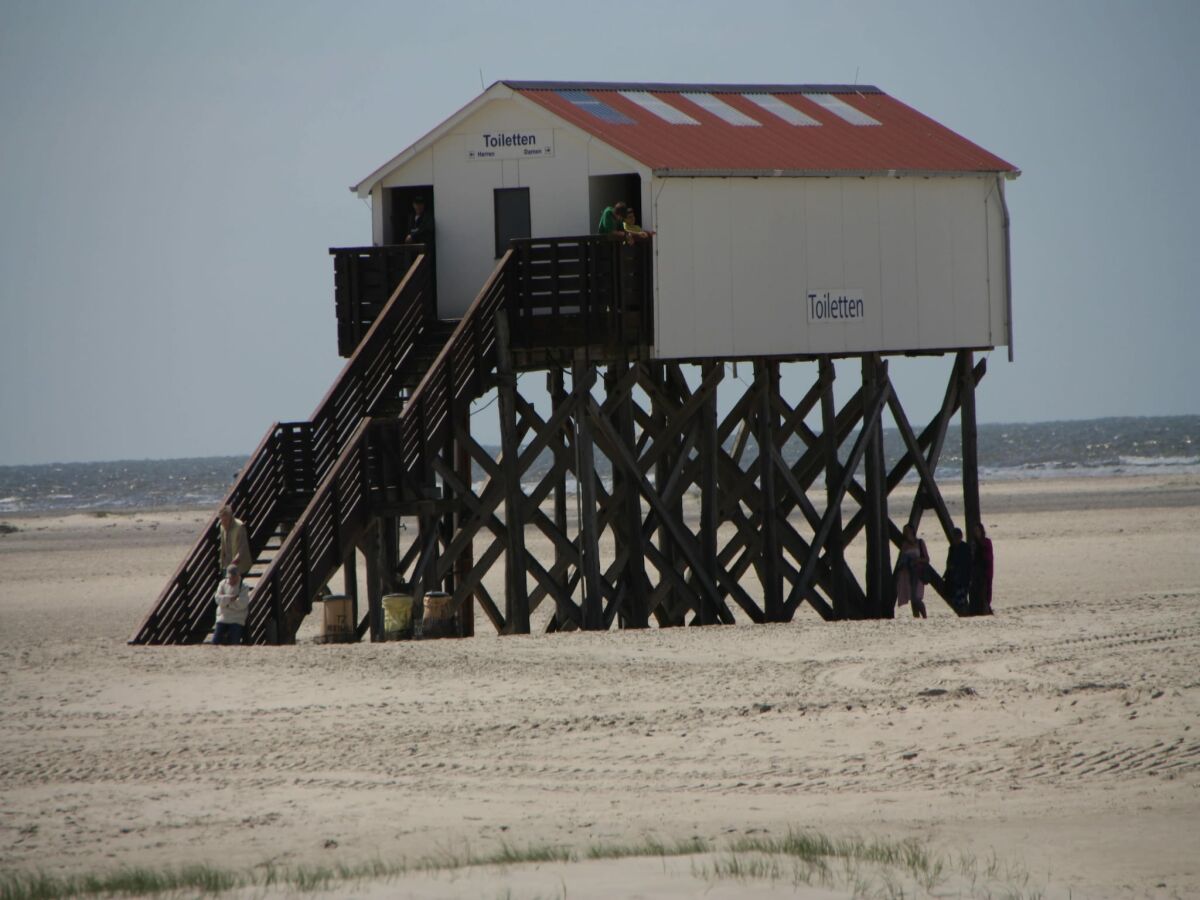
510, 144
842, 306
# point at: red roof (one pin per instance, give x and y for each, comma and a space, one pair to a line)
897, 138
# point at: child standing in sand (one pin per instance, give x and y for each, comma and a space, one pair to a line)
233, 603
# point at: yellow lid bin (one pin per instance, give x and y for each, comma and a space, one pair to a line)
397, 617
338, 625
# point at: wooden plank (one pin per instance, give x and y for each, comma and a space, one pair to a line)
516, 602
834, 547
766, 375
582, 376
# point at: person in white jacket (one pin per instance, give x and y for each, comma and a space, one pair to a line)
233, 602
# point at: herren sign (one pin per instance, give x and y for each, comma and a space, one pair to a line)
510, 144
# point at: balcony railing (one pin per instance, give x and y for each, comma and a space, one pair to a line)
563, 292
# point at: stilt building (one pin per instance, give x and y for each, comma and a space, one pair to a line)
825, 227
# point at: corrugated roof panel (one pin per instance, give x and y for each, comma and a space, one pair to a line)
721, 109
903, 141
777, 107
597, 108
842, 109
659, 107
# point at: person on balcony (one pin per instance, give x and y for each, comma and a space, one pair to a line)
420, 224
612, 220
633, 229
235, 544
233, 603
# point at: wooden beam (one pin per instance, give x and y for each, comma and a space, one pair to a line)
766, 375
516, 594
582, 376
970, 442
710, 500
870, 424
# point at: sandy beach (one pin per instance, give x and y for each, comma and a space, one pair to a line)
1060, 737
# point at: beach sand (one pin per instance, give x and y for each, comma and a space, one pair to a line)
1061, 736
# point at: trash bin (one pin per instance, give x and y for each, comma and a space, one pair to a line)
337, 626
439, 620
397, 617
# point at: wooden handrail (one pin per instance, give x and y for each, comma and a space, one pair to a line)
265, 483
332, 522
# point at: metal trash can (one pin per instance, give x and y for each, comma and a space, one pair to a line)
337, 625
440, 619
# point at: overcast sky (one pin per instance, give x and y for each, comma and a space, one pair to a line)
172, 175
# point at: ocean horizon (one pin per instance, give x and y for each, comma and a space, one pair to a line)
1110, 446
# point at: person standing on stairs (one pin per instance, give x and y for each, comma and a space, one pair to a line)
235, 543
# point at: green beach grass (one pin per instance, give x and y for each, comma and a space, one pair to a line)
864, 867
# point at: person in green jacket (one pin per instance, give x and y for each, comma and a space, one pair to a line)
612, 220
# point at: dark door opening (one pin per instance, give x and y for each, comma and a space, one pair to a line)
398, 210
511, 216
606, 190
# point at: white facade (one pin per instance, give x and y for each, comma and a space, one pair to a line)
462, 188
908, 263
921, 262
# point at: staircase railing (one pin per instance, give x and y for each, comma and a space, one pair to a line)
273, 487
363, 281
374, 463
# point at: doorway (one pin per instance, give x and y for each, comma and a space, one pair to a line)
511, 210
605, 190
398, 207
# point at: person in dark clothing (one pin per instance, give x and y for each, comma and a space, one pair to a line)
420, 224
981, 571
958, 571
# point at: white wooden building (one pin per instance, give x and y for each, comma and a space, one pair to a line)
790, 219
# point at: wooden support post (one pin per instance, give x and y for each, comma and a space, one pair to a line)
516, 592
558, 400
834, 547
766, 376
350, 580
879, 588
970, 451
635, 612
582, 375
466, 559
660, 414
377, 581
710, 500
389, 540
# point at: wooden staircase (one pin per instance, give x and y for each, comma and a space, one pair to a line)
276, 485
311, 488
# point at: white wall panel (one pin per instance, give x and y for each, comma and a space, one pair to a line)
898, 261
920, 250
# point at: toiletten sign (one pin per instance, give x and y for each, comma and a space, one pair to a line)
510, 144
842, 306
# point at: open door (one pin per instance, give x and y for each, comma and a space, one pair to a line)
605, 190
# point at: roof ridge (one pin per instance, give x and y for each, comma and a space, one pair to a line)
702, 87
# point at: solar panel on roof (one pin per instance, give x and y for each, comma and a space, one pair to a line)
777, 107
721, 109
659, 107
842, 109
597, 108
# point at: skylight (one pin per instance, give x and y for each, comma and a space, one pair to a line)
777, 107
659, 107
598, 108
721, 109
842, 109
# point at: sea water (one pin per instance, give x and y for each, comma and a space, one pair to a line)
1090, 448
